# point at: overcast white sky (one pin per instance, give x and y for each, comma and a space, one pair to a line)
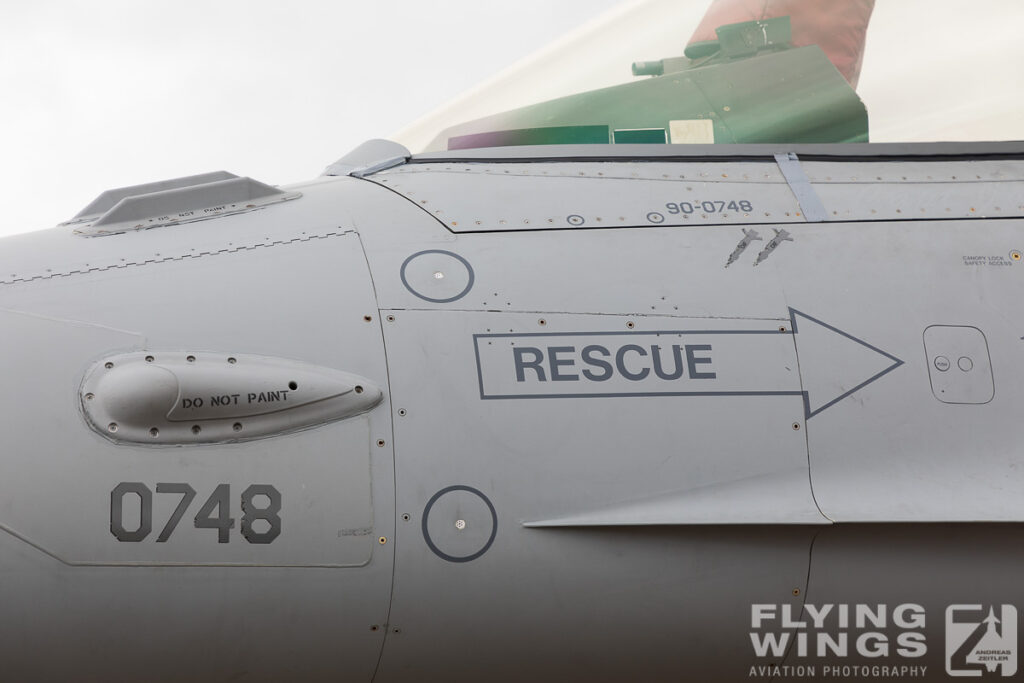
108, 93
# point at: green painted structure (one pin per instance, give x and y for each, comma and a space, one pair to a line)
750, 84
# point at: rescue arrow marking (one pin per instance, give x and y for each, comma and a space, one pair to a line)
726, 362
893, 363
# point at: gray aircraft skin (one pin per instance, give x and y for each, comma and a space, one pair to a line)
594, 413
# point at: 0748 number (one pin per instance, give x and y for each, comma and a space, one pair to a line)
716, 206
215, 513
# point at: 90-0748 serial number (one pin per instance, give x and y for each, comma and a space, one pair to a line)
716, 206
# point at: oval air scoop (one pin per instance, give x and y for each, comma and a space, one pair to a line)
181, 398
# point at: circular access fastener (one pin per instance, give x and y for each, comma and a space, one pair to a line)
453, 504
437, 276
941, 363
655, 217
965, 364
